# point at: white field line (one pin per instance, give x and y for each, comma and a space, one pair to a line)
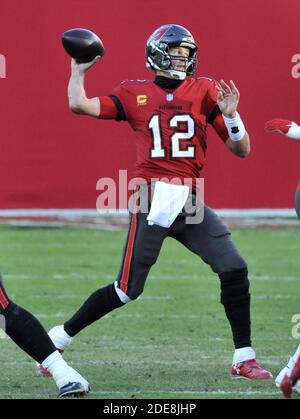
167, 393
221, 361
179, 363
60, 315
166, 317
271, 297
81, 297
99, 277
277, 297
192, 392
113, 220
79, 213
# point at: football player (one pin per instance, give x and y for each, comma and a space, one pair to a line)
170, 115
289, 378
27, 332
291, 130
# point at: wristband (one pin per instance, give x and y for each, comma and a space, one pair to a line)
294, 131
235, 127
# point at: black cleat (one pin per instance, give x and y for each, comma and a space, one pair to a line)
72, 390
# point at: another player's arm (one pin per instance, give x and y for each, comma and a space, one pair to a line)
228, 99
284, 127
78, 101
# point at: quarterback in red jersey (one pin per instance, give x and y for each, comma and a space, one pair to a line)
170, 115
176, 120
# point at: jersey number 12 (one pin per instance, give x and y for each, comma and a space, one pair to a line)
158, 151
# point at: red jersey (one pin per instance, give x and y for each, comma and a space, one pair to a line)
170, 124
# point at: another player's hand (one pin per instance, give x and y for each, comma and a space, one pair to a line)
82, 68
279, 125
228, 98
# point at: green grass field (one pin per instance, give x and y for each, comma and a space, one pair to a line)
174, 342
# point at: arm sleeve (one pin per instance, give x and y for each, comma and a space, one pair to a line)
119, 97
112, 105
108, 109
120, 110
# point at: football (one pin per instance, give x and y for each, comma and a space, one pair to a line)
83, 45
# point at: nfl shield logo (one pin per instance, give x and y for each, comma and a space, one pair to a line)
169, 97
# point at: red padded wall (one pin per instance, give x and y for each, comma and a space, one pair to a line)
50, 158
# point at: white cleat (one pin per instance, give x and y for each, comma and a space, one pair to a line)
72, 390
285, 371
73, 384
72, 376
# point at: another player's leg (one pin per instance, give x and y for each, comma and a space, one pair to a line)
289, 377
26, 331
141, 251
297, 201
211, 241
